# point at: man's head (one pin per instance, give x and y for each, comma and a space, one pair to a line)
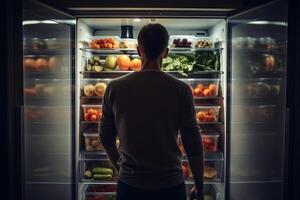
153, 42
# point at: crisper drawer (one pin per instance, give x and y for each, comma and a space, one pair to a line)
211, 192
213, 168
100, 170
100, 192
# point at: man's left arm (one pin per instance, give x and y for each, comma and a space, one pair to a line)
107, 129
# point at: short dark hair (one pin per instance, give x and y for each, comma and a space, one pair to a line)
153, 38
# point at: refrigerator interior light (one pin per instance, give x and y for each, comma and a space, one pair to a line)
136, 19
54, 21
263, 22
30, 22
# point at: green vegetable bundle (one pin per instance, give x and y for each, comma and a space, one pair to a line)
182, 63
207, 60
186, 64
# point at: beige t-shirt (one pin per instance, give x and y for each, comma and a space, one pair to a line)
146, 110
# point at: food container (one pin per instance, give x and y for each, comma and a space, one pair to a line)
42, 114
104, 42
101, 63
262, 87
182, 41
92, 113
100, 196
92, 142
58, 43
203, 43
212, 170
263, 113
210, 140
210, 191
98, 170
128, 44
207, 114
203, 88
94, 87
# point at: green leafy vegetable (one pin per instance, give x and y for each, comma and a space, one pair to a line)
184, 64
207, 60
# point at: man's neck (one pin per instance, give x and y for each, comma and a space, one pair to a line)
151, 65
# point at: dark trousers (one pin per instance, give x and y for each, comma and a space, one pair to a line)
127, 192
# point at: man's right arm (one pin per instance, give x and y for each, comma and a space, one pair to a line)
191, 140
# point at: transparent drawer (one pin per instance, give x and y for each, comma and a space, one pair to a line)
47, 88
93, 87
264, 87
39, 114
92, 142
128, 44
204, 87
104, 42
210, 192
207, 114
212, 170
100, 196
100, 191
55, 63
210, 140
263, 113
203, 43
92, 113
97, 170
181, 41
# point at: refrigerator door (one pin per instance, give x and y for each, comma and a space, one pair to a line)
48, 74
256, 103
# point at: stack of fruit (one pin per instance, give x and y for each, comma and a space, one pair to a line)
92, 113
182, 43
104, 43
201, 90
94, 90
123, 62
204, 116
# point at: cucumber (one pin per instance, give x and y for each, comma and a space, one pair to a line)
96, 58
91, 61
89, 67
87, 174
102, 170
102, 176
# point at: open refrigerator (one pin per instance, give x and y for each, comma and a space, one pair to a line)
236, 68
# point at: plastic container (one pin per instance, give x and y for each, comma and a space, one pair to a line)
128, 44
182, 41
94, 87
263, 113
212, 170
263, 87
204, 87
210, 140
207, 114
210, 191
92, 142
204, 43
92, 113
100, 196
97, 170
104, 42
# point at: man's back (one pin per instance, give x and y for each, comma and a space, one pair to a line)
146, 108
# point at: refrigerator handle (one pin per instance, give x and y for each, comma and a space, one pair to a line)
19, 123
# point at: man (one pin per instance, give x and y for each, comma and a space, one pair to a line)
146, 110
